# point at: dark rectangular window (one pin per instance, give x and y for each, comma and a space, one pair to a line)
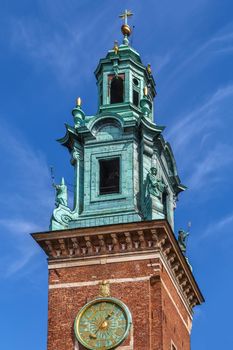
101, 93
164, 201
117, 90
135, 98
109, 176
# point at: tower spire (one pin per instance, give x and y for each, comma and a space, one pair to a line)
125, 28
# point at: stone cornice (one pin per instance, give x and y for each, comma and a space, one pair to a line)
121, 239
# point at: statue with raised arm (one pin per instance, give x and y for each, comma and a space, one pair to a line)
182, 238
61, 194
155, 186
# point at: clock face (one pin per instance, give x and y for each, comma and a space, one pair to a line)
102, 324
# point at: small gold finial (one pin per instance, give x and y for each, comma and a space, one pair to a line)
125, 28
104, 289
116, 47
78, 102
145, 90
149, 70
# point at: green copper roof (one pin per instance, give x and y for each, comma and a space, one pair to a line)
122, 133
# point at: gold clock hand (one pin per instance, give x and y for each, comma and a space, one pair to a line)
92, 335
102, 325
109, 315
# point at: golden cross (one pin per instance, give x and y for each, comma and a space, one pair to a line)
125, 15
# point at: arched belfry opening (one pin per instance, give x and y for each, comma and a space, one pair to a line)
117, 90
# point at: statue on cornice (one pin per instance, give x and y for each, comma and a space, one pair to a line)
61, 194
155, 186
182, 238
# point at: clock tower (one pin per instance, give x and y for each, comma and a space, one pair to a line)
118, 276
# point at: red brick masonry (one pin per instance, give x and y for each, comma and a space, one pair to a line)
146, 270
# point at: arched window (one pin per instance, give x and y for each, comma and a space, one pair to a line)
136, 89
117, 90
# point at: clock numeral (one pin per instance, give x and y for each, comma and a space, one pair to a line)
102, 306
119, 332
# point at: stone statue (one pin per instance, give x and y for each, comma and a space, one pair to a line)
182, 238
61, 194
155, 186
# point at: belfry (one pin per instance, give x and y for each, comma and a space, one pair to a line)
118, 276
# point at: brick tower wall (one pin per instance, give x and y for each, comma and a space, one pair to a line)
158, 312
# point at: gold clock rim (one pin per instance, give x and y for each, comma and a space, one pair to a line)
95, 301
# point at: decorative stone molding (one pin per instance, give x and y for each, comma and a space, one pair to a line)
119, 240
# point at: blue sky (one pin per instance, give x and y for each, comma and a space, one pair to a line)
48, 52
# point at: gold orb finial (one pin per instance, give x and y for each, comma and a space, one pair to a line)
125, 28
78, 102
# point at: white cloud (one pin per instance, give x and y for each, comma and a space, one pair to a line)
22, 259
19, 226
50, 48
65, 49
214, 45
219, 227
201, 118
26, 199
199, 142
158, 62
206, 169
22, 250
28, 186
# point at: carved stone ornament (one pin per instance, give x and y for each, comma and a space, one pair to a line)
182, 240
61, 194
75, 156
61, 217
104, 290
155, 186
146, 238
66, 218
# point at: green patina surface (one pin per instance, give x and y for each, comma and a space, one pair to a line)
123, 130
